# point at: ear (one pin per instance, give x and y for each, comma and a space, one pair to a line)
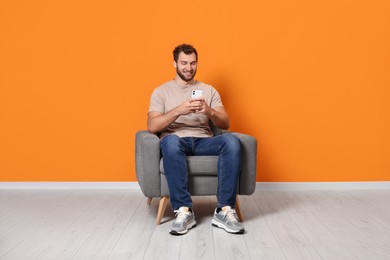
174, 64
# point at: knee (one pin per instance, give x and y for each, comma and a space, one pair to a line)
232, 143
170, 144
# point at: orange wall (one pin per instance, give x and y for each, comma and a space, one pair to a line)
309, 79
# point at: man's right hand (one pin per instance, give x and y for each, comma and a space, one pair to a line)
189, 106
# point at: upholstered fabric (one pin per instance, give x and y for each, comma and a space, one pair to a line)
202, 170
199, 165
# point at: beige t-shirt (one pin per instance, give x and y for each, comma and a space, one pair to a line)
170, 95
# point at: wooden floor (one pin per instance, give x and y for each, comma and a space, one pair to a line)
118, 224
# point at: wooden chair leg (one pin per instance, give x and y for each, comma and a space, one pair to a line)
238, 210
149, 200
161, 209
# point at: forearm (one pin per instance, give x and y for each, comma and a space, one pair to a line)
219, 118
158, 122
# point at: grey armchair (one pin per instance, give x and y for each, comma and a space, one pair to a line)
202, 170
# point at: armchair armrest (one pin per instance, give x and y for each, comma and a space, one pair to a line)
249, 163
147, 161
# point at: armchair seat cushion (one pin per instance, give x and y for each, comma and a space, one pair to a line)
203, 170
199, 165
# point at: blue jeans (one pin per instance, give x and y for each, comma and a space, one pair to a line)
174, 151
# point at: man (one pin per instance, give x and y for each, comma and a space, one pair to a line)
183, 124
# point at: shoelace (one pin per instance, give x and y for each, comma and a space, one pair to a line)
231, 215
181, 216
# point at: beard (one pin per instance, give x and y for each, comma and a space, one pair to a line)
184, 77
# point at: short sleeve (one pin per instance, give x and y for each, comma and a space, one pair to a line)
215, 99
157, 102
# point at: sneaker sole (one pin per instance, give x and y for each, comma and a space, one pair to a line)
226, 228
176, 233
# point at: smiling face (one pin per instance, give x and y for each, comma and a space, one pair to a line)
186, 66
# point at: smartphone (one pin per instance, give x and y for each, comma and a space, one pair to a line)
196, 93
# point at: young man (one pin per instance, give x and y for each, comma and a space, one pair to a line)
183, 123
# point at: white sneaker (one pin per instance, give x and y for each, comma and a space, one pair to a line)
185, 219
227, 219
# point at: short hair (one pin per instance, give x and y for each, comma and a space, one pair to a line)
186, 48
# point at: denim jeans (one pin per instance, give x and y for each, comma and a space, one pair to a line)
174, 151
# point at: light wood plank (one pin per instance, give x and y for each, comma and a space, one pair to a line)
19, 205
136, 236
372, 205
198, 242
100, 243
258, 233
163, 245
337, 219
327, 245
361, 215
266, 253
162, 252
229, 246
41, 211
118, 224
370, 253
7, 195
71, 209
67, 244
289, 236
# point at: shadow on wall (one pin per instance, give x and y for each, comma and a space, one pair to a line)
244, 121
227, 91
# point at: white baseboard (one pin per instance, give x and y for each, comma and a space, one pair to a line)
322, 185
69, 185
259, 185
